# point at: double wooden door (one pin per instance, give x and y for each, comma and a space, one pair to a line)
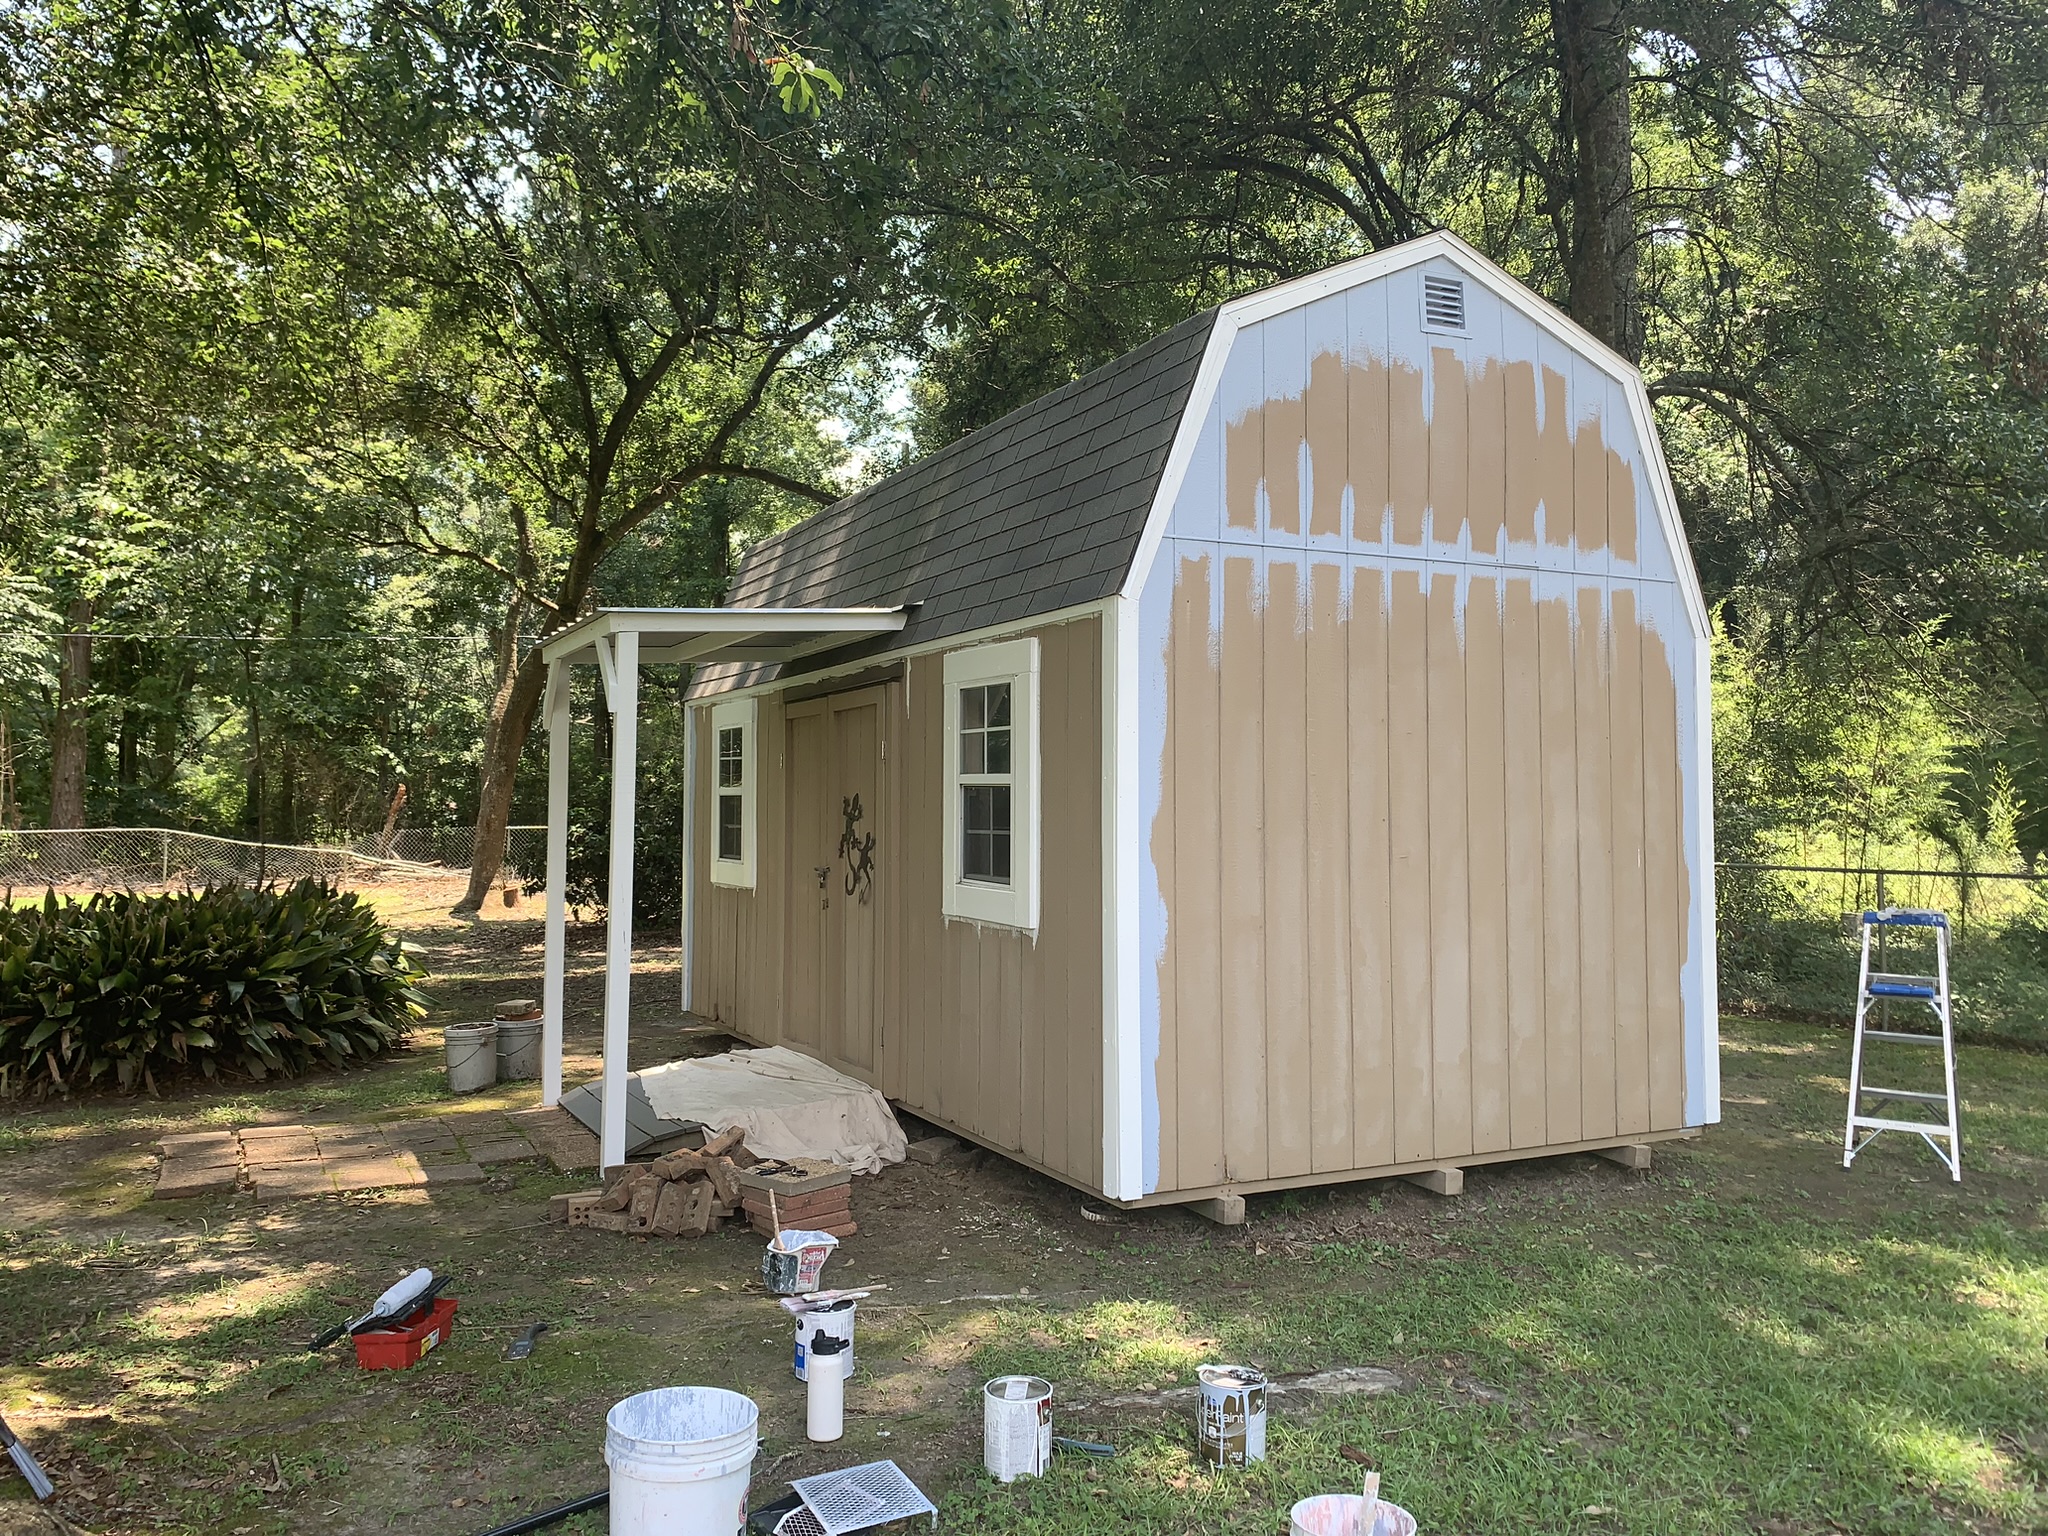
837, 774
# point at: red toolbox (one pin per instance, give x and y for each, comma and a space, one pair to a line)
394, 1349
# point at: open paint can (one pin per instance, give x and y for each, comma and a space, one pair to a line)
1016, 1427
1231, 1429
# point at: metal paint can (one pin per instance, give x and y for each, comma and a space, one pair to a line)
1231, 1428
1016, 1427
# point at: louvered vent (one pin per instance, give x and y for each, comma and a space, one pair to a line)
1443, 303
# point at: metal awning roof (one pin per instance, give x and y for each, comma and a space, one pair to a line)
722, 634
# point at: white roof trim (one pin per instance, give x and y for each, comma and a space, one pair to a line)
721, 634
1440, 245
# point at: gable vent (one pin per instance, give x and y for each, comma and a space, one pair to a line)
1443, 302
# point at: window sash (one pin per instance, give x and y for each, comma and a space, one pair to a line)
732, 822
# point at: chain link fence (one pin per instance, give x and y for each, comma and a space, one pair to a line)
1789, 934
120, 858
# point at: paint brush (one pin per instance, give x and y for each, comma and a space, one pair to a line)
775, 1222
1372, 1503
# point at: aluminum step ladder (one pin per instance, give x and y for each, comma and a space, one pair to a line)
1881, 988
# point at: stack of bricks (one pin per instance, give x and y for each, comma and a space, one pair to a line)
682, 1194
810, 1196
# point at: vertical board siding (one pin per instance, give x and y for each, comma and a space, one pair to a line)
1243, 877
994, 1031
1418, 830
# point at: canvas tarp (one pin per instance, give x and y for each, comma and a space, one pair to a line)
788, 1104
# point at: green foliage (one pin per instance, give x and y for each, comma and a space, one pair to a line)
226, 979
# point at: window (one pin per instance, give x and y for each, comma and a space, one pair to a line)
985, 786
732, 793
992, 784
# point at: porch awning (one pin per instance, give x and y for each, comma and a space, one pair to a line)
620, 641
721, 634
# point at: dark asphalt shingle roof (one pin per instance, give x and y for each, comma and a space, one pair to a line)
1038, 511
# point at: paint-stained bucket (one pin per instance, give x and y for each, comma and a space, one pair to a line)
1343, 1514
790, 1265
835, 1319
1231, 1429
1016, 1427
681, 1459
472, 1056
518, 1050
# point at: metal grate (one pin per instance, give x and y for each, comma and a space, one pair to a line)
859, 1497
1443, 303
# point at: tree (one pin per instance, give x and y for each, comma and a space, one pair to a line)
599, 239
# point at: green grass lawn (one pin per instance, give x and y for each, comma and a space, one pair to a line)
1747, 1338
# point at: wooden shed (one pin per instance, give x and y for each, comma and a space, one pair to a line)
1282, 757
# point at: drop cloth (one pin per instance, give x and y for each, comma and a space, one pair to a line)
789, 1105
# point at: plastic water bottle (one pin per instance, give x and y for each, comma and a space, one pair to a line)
825, 1402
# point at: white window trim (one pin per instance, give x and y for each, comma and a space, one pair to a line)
1015, 905
745, 714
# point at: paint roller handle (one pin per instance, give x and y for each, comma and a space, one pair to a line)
418, 1303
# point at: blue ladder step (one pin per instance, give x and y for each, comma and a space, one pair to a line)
1905, 917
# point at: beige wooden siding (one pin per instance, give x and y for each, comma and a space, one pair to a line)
994, 1032
1423, 686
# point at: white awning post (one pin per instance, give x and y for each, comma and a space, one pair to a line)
689, 848
618, 921
558, 720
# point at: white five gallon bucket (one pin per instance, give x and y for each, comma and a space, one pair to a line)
472, 1056
1343, 1514
681, 1459
518, 1050
835, 1320
1016, 1427
1231, 1431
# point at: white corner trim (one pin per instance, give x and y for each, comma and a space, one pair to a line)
1704, 916
1123, 1108
744, 714
1016, 904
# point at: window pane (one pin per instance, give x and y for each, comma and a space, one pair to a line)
998, 753
973, 751
730, 812
973, 706
730, 756
985, 833
998, 703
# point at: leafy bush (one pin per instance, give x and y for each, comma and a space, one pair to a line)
224, 979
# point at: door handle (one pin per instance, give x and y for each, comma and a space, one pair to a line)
824, 874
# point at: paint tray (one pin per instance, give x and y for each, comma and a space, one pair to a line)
853, 1500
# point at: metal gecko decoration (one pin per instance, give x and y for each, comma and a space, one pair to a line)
858, 851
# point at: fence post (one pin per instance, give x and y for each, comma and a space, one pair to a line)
164, 836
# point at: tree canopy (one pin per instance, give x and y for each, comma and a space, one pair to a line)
349, 348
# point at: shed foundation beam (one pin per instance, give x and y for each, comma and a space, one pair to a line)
1439, 1181
1636, 1156
1224, 1210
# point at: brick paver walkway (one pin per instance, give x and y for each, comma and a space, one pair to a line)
288, 1162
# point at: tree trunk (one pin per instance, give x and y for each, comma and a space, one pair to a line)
1594, 74
512, 714
68, 730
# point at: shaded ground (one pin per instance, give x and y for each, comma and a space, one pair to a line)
1747, 1338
